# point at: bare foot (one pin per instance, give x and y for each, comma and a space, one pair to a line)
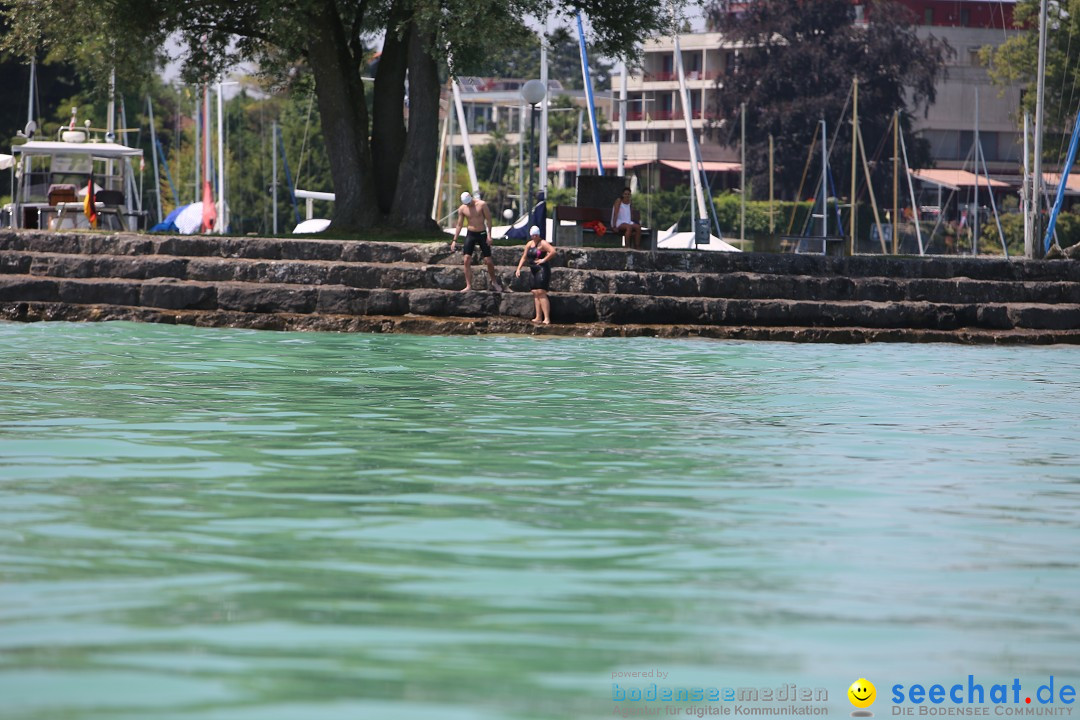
465, 289
547, 322
535, 321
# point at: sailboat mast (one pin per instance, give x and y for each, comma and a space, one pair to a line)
824, 186
110, 121
975, 215
622, 124
742, 175
911, 196
1026, 194
896, 183
273, 171
464, 129
439, 171
1031, 248
586, 79
197, 150
222, 220
154, 153
523, 203
33, 83
854, 156
691, 140
543, 117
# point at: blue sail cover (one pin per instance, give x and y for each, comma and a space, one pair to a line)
169, 223
537, 217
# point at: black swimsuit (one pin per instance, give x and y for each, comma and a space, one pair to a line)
474, 238
541, 274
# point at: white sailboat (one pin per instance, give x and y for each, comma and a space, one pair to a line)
673, 240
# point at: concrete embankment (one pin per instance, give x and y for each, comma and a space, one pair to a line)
307, 284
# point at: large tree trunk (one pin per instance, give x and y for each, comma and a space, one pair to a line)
388, 113
416, 180
343, 115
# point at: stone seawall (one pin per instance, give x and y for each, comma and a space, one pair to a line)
356, 286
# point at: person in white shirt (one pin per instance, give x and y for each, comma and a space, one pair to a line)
622, 221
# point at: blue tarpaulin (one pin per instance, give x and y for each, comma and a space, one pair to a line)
537, 217
169, 223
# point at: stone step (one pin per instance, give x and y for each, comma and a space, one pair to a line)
564, 280
579, 258
169, 294
454, 325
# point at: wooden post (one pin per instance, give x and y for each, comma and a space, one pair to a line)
772, 219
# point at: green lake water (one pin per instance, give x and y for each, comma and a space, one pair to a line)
203, 524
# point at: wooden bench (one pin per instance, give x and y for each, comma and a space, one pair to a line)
577, 236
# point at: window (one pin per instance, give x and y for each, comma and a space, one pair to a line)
973, 56
928, 16
965, 17
695, 104
944, 144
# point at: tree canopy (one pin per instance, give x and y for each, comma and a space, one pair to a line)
795, 64
564, 62
382, 160
1016, 61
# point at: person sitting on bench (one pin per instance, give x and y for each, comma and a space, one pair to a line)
622, 221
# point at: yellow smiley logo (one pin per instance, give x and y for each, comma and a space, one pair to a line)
862, 693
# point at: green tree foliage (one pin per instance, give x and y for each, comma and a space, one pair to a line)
382, 162
493, 170
1067, 233
522, 60
56, 83
1016, 61
92, 37
796, 67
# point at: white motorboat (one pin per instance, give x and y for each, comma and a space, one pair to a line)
50, 179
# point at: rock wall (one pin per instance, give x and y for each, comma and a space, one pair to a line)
354, 286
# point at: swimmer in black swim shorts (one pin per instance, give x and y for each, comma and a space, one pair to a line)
539, 253
475, 214
472, 239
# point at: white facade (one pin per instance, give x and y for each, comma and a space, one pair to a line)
949, 125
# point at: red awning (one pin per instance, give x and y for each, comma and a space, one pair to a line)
954, 179
1072, 183
707, 165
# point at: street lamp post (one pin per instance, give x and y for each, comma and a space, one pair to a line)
532, 92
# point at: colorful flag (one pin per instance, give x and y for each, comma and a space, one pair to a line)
90, 203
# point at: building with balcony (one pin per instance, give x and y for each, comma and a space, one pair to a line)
656, 128
495, 103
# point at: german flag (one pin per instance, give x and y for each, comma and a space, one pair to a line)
90, 203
